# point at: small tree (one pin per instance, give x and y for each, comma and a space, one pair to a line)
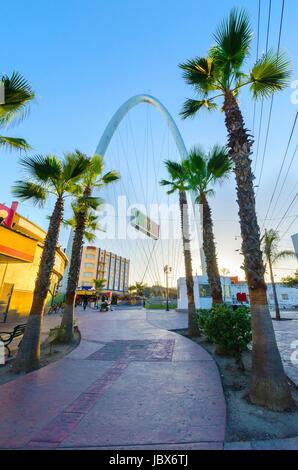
93, 179
99, 285
272, 256
137, 289
204, 171
178, 182
292, 280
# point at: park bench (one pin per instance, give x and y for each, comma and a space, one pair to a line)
7, 337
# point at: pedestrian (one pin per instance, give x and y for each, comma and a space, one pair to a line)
85, 302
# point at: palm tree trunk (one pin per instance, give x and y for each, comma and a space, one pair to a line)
193, 329
28, 355
277, 311
210, 252
73, 277
269, 386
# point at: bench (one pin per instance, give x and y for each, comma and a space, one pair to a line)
7, 337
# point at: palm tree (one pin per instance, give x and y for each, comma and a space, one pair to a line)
99, 285
93, 179
178, 173
138, 289
272, 256
17, 95
220, 75
204, 170
46, 176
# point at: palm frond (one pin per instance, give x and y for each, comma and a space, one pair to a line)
27, 190
110, 176
14, 143
233, 38
97, 165
271, 73
285, 254
165, 183
219, 163
89, 236
174, 169
200, 73
18, 93
89, 202
74, 166
196, 170
43, 167
191, 107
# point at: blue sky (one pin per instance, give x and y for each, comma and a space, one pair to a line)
85, 57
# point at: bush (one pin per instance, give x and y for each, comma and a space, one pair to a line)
229, 329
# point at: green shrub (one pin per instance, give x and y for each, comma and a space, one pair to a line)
229, 329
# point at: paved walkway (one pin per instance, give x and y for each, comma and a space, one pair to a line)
128, 385
286, 335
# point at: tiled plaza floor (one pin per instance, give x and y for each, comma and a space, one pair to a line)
129, 384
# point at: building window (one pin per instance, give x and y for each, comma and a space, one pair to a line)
204, 290
89, 256
89, 265
88, 275
86, 284
285, 296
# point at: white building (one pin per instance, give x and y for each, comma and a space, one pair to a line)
234, 293
201, 292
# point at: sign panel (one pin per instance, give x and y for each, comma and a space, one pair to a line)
145, 225
7, 213
2, 93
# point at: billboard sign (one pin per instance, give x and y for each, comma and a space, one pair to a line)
2, 92
7, 213
144, 224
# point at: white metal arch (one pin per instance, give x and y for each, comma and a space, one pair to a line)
125, 108
116, 120
107, 137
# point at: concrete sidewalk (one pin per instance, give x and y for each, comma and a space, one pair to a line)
286, 332
129, 384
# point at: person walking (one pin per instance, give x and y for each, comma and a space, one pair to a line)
85, 302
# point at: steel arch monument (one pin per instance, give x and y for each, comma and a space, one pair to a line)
107, 137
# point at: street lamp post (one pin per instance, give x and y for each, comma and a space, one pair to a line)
167, 270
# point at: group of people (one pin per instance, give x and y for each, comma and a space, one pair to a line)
104, 306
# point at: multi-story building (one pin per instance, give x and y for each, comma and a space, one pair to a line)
97, 263
21, 247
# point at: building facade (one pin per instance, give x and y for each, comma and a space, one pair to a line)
97, 263
234, 292
21, 246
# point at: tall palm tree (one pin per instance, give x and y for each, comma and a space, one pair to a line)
93, 179
272, 255
220, 75
17, 95
178, 173
204, 170
45, 176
